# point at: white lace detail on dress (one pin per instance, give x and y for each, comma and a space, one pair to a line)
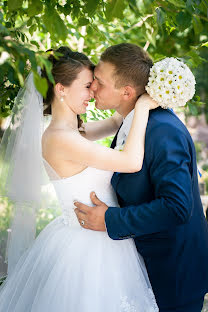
69, 217
152, 296
127, 306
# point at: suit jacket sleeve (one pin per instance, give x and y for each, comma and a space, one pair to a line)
168, 158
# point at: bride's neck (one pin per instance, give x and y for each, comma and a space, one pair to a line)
63, 116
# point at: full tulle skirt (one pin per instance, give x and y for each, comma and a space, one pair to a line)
77, 270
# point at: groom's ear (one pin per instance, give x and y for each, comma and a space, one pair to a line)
128, 93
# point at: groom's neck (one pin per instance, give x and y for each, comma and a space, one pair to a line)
124, 110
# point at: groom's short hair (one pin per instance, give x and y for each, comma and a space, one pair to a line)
132, 65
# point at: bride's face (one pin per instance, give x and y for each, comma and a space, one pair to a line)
78, 94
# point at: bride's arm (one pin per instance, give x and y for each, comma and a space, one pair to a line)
96, 130
80, 150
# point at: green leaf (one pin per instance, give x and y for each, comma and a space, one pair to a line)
158, 57
205, 44
193, 109
1, 16
35, 43
94, 115
32, 29
91, 6
29, 22
160, 16
115, 8
8, 25
178, 3
198, 27
43, 62
11, 75
83, 21
203, 7
41, 84
35, 7
32, 59
21, 78
195, 60
190, 5
55, 24
183, 19
3, 30
14, 4
21, 66
66, 9
84, 117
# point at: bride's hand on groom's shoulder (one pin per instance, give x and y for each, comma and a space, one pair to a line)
145, 99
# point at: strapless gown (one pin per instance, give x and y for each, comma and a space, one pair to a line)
71, 269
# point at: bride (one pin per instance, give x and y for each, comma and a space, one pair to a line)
68, 268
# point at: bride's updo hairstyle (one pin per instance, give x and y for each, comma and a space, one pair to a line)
65, 68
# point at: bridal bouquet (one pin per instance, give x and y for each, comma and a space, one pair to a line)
171, 83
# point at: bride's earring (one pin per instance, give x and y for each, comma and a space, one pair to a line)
62, 99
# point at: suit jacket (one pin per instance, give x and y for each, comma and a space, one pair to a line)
162, 210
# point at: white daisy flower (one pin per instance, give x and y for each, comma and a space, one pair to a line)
171, 83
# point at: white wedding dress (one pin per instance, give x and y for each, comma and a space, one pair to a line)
71, 269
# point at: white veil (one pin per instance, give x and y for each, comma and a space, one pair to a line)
22, 172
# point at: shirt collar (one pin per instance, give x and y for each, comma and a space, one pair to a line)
127, 121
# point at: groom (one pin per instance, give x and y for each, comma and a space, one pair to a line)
160, 205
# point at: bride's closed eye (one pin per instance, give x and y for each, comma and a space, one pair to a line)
88, 85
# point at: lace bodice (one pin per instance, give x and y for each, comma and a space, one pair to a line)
79, 187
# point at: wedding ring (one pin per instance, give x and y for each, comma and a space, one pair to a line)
82, 222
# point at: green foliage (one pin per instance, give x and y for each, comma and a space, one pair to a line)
115, 8
44, 216
5, 213
2, 279
29, 27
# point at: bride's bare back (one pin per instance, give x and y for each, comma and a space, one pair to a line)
57, 157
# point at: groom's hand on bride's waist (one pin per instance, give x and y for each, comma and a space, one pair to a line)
92, 218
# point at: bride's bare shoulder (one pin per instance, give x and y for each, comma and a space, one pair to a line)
53, 135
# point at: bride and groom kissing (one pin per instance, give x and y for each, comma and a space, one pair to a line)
143, 244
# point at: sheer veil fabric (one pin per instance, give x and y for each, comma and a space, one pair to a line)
22, 171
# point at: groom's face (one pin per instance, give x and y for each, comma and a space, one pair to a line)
103, 86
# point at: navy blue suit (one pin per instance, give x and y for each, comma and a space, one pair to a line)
161, 209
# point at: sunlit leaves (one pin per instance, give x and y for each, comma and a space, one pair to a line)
160, 16
54, 24
30, 27
198, 27
34, 7
91, 6
183, 20
14, 4
115, 8
41, 84
178, 4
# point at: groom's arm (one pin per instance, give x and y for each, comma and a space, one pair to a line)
168, 156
